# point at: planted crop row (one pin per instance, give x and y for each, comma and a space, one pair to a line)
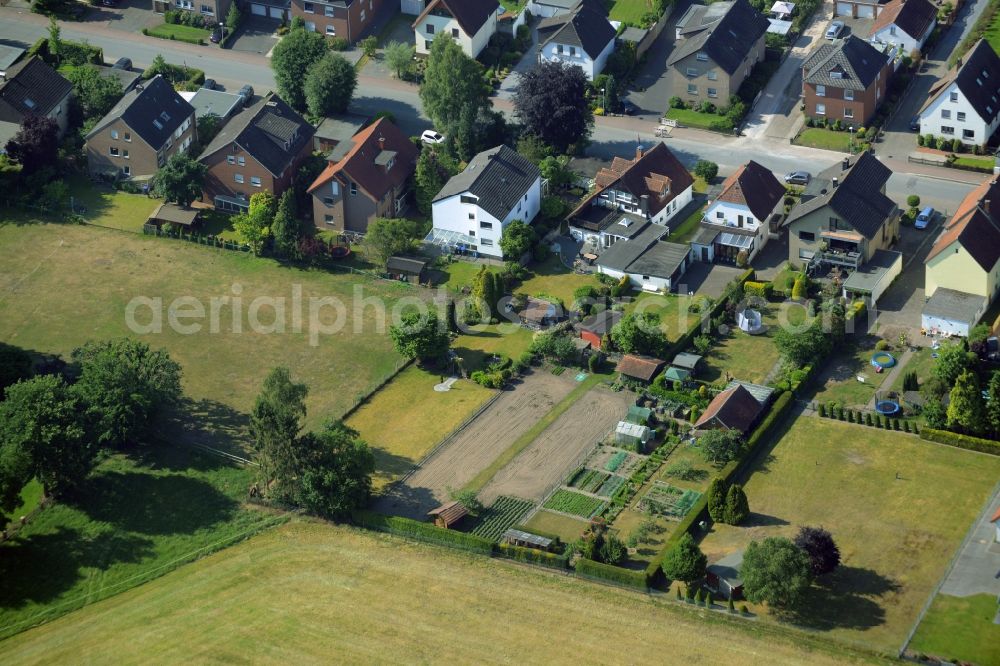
616, 461
504, 514
610, 486
577, 504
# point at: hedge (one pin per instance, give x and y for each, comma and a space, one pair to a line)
423, 532
762, 289
961, 441
611, 574
684, 341
533, 556
71, 53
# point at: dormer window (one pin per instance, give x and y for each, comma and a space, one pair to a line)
985, 74
28, 102
157, 124
165, 116
836, 74
979, 81
702, 56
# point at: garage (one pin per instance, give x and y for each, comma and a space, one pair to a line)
949, 312
277, 13
871, 280
866, 11
258, 10
845, 9
411, 7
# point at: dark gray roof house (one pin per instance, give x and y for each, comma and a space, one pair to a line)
498, 177
32, 87
726, 31
153, 110
851, 64
646, 256
977, 76
584, 27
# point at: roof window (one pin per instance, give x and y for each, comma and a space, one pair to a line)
165, 116
157, 124
28, 102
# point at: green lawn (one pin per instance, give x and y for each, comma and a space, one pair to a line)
568, 529
897, 507
477, 347
692, 118
108, 207
138, 517
675, 319
217, 223
30, 497
960, 628
406, 418
514, 6
744, 356
920, 362
459, 274
552, 278
817, 137
685, 231
182, 32
838, 381
785, 279
628, 11
980, 163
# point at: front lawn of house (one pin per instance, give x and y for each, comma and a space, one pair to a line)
960, 628
184, 33
692, 118
827, 139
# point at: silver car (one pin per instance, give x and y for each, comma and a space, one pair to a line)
834, 30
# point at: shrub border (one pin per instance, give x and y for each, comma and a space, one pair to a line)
960, 441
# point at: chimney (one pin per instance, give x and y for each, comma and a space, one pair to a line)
639, 151
846, 164
644, 204
986, 205
836, 181
381, 143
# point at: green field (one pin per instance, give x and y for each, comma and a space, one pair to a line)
573, 503
838, 382
137, 517
63, 285
569, 529
477, 347
898, 508
306, 591
960, 628
176, 31
746, 357
552, 278
675, 318
628, 11
406, 418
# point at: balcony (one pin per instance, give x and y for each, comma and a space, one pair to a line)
839, 258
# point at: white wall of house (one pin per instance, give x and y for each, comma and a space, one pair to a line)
471, 44
543, 10
644, 282
944, 326
896, 36
726, 214
961, 118
466, 217
575, 55
675, 206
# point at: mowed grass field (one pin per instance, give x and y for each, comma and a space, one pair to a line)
62, 285
896, 535
405, 419
960, 628
306, 591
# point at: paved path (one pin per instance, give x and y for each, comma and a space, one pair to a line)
977, 569
891, 376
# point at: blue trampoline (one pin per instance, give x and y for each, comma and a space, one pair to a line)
883, 360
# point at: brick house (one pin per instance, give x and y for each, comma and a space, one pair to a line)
149, 124
716, 48
32, 87
259, 150
845, 80
349, 19
213, 11
366, 177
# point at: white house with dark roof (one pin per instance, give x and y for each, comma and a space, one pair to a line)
471, 23
474, 207
965, 104
584, 38
904, 25
651, 263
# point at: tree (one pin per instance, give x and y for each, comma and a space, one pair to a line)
389, 236
637, 333
551, 102
798, 349
285, 229
452, 82
15, 365
685, 561
369, 46
717, 500
208, 127
518, 237
420, 336
913, 201
702, 343
966, 412
432, 172
952, 361
613, 550
799, 292
275, 422
123, 385
233, 19
818, 545
399, 57
35, 146
96, 94
254, 226
993, 404
721, 446
706, 170
43, 417
291, 59
553, 346
15, 473
484, 290
55, 40
329, 85
774, 571
556, 170
737, 507
464, 135
935, 414
181, 180
335, 471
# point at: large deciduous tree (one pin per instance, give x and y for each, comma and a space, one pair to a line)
42, 416
398, 57
639, 333
798, 348
180, 180
818, 545
775, 571
453, 82
685, 561
124, 384
330, 85
35, 146
335, 472
15, 365
387, 237
94, 93
721, 446
254, 226
291, 59
432, 172
275, 422
551, 103
517, 238
420, 336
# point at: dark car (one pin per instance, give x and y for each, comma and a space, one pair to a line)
210, 84
216, 35
797, 178
628, 108
246, 92
122, 63
109, 3
915, 124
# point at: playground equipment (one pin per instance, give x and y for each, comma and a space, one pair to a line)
882, 360
749, 321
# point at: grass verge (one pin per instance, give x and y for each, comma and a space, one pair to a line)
960, 629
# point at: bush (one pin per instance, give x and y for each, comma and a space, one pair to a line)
677, 103
821, 410
612, 574
920, 140
913, 201
706, 107
533, 556
423, 532
881, 345
338, 44
961, 441
762, 289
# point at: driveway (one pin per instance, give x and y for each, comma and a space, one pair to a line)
977, 569
708, 279
770, 260
255, 35
509, 85
128, 15
903, 302
653, 78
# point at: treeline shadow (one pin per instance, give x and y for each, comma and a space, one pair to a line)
844, 599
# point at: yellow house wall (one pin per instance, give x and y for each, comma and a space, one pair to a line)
959, 271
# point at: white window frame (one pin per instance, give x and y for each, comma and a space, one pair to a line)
820, 90
238, 177
821, 109
255, 181
849, 95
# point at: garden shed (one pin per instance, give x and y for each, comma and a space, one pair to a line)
724, 576
640, 415
595, 327
673, 374
733, 409
407, 269
448, 514
516, 537
637, 366
168, 213
687, 361
539, 313
632, 435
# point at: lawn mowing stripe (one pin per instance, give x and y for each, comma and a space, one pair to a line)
522, 442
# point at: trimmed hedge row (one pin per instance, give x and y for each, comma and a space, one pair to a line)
556, 539
533, 556
961, 441
423, 532
611, 574
699, 511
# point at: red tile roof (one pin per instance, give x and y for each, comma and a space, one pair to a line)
649, 173
755, 187
639, 367
975, 225
996, 516
735, 408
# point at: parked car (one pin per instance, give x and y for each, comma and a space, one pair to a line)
216, 35
924, 219
797, 178
210, 84
628, 108
246, 92
915, 124
122, 63
109, 3
834, 30
431, 137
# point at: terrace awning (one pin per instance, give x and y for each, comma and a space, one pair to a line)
446, 237
734, 240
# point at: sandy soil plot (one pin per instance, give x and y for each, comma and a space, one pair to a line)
565, 443
604, 454
478, 445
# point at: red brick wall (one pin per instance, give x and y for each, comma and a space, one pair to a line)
346, 23
863, 105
